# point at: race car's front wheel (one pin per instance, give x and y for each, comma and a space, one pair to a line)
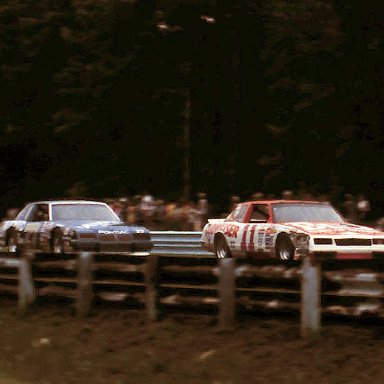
222, 250
284, 248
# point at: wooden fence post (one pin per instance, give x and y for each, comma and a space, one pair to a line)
227, 292
151, 277
84, 283
310, 297
26, 287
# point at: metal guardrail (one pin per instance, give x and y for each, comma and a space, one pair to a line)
178, 243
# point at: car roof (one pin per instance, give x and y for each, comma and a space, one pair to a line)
67, 202
285, 202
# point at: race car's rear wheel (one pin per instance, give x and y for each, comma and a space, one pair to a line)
285, 250
222, 250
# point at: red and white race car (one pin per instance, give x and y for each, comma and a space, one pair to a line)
287, 230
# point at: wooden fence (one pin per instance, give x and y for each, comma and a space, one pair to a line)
178, 273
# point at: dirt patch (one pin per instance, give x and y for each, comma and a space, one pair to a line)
117, 346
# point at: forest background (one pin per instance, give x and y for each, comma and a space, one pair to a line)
118, 97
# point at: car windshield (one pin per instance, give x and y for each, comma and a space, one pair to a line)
288, 213
93, 212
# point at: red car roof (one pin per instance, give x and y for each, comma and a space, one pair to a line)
284, 201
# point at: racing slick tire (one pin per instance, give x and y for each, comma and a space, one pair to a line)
13, 243
222, 250
285, 249
57, 242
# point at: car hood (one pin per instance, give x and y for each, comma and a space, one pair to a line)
338, 229
95, 226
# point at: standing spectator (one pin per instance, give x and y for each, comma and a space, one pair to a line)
380, 224
287, 195
235, 200
350, 208
131, 212
258, 196
202, 208
147, 206
363, 207
159, 210
117, 207
193, 217
170, 209
11, 213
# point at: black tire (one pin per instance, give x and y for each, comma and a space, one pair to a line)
285, 249
222, 250
57, 243
13, 243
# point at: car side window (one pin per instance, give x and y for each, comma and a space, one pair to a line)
39, 212
23, 213
241, 213
260, 213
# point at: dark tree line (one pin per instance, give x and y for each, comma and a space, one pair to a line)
281, 94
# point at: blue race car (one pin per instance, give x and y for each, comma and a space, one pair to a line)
70, 226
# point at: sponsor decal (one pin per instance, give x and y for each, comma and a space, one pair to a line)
212, 229
270, 231
96, 224
32, 227
231, 230
269, 237
106, 232
344, 229
251, 246
209, 237
260, 237
244, 238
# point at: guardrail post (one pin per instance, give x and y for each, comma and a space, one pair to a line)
84, 283
26, 287
310, 297
152, 287
227, 292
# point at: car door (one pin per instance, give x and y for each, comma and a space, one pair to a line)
260, 215
34, 222
238, 228
253, 229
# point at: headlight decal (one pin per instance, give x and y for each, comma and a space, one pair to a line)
322, 241
300, 239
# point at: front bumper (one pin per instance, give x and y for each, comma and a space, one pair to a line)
323, 255
107, 246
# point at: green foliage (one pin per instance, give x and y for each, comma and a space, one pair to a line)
282, 92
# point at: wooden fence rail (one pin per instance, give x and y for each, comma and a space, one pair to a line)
16, 277
155, 282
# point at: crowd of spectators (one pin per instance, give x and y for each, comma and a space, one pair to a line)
192, 215
158, 214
